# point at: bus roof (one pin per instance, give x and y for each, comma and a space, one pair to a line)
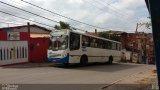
89, 35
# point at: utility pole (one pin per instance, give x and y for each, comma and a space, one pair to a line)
30, 46
136, 28
143, 50
136, 40
28, 25
154, 10
137, 43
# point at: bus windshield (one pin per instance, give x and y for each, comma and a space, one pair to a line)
59, 42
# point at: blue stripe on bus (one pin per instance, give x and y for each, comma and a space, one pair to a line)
59, 60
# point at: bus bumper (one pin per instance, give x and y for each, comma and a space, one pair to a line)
59, 60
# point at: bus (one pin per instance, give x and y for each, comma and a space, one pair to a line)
70, 47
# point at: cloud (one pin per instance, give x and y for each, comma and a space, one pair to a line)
75, 2
110, 14
129, 4
102, 18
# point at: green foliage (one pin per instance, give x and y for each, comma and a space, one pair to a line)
63, 25
148, 24
57, 27
103, 34
109, 35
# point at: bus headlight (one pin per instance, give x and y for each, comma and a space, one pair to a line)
64, 55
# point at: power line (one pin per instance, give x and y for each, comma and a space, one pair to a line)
114, 10
51, 11
91, 3
28, 12
118, 13
39, 16
47, 11
111, 8
62, 15
109, 4
10, 23
36, 15
23, 4
37, 22
44, 17
26, 19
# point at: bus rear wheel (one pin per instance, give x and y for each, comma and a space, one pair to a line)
83, 61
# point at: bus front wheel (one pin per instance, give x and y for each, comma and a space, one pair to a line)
84, 60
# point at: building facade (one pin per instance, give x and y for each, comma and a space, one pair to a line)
21, 44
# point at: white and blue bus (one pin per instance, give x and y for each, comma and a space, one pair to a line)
70, 47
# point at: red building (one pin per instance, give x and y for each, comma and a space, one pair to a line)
21, 44
139, 43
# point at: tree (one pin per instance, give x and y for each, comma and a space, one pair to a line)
57, 27
63, 25
148, 24
109, 35
103, 34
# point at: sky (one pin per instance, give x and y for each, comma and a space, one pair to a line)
116, 15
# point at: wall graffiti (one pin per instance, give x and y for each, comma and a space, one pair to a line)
13, 52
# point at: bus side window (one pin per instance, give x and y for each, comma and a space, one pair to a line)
118, 46
114, 46
85, 41
99, 43
104, 44
89, 42
93, 42
74, 41
109, 45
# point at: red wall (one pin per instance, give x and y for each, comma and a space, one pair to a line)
38, 49
24, 36
3, 35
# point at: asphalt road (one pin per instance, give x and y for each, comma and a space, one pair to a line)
93, 76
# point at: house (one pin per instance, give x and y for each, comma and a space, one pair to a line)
24, 43
138, 43
92, 33
35, 30
138, 46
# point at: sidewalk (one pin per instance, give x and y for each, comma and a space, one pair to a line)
145, 80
